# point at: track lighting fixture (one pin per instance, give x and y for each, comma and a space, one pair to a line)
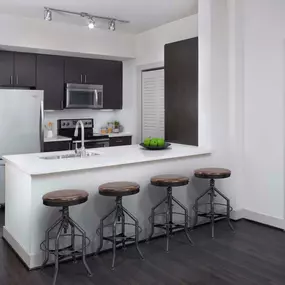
91, 24
91, 18
112, 25
47, 14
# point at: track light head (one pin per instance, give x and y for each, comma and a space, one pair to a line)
112, 25
47, 14
91, 24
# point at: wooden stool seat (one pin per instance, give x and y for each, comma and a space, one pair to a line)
65, 198
212, 173
169, 180
118, 189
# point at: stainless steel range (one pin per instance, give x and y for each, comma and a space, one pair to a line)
67, 127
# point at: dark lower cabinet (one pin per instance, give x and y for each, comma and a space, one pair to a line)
57, 146
181, 92
50, 78
117, 141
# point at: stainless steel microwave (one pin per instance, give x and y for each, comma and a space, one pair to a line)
83, 96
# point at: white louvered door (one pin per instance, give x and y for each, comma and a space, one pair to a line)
153, 104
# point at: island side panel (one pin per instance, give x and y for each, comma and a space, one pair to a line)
88, 215
17, 229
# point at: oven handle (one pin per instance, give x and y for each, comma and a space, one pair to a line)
86, 141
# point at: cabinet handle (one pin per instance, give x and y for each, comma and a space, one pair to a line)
17, 79
11, 80
119, 141
81, 78
85, 78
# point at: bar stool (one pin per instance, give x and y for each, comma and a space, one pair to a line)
169, 181
118, 190
212, 191
65, 199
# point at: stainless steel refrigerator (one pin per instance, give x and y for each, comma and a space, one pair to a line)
21, 126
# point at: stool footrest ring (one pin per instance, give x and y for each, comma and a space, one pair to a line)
68, 250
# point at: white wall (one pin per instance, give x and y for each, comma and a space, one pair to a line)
150, 44
264, 49
150, 51
61, 38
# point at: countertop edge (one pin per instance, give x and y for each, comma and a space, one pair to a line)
57, 139
202, 152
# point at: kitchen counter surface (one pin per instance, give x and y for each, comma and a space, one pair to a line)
57, 139
32, 164
114, 135
123, 134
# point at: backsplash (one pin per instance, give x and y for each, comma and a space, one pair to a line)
100, 117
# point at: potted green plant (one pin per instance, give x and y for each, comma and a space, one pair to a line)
116, 127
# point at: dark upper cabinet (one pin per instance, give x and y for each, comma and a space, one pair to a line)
181, 92
24, 70
74, 70
82, 71
17, 69
51, 73
111, 74
6, 68
108, 73
92, 71
50, 78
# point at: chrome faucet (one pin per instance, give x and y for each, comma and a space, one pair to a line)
81, 150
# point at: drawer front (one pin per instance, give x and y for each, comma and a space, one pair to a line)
117, 141
56, 146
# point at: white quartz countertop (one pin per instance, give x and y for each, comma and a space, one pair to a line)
32, 163
123, 134
57, 139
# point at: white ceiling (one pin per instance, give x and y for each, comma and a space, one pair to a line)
143, 14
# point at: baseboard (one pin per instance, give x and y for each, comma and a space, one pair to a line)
264, 219
237, 214
23, 255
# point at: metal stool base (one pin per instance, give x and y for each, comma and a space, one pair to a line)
212, 215
169, 226
64, 223
119, 239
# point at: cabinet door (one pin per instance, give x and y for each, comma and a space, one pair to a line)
181, 92
117, 141
92, 69
112, 78
6, 68
24, 70
56, 146
50, 78
74, 70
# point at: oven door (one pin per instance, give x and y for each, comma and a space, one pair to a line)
91, 143
82, 96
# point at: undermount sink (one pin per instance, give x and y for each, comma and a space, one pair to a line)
72, 155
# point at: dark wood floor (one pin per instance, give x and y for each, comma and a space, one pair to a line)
255, 254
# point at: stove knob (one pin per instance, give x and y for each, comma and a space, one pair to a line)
63, 124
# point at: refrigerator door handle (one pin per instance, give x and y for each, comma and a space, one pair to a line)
42, 126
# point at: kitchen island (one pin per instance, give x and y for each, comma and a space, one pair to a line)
30, 176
